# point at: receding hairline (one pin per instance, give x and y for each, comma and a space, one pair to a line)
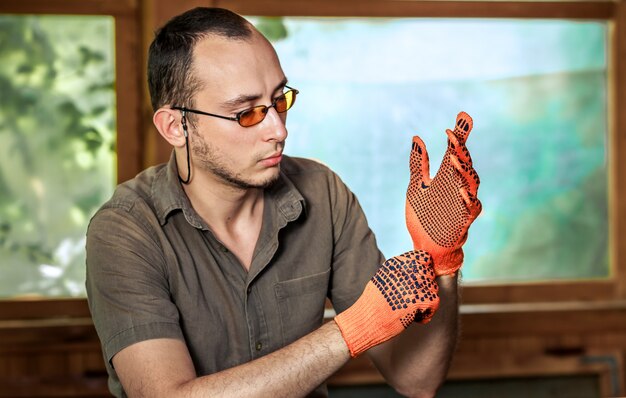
172, 52
254, 35
246, 34
251, 33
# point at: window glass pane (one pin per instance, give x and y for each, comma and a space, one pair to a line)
537, 90
57, 155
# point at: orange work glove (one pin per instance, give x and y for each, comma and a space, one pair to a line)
440, 211
403, 290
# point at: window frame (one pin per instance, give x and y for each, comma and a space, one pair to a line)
138, 145
613, 12
128, 71
129, 128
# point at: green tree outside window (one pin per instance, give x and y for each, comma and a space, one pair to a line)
57, 147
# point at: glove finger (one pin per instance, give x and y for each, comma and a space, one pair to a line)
469, 177
420, 257
472, 203
426, 315
419, 165
417, 267
428, 292
463, 126
457, 148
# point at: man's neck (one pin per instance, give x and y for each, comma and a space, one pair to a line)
234, 215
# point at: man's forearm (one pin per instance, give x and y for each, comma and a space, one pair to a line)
416, 362
292, 371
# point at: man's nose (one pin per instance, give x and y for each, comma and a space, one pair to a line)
274, 125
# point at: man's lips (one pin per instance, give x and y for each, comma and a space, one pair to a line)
273, 159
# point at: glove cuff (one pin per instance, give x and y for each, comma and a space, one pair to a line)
448, 262
361, 325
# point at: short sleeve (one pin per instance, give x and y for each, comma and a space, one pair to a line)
127, 282
356, 256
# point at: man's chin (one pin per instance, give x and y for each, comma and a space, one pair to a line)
270, 180
263, 182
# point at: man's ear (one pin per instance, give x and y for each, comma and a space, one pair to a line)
167, 122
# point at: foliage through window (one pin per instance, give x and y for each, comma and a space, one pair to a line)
57, 160
536, 90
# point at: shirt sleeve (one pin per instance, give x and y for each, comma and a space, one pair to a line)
356, 256
127, 283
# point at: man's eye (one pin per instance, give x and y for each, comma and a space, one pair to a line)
242, 111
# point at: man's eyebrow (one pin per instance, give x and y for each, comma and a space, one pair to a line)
240, 100
281, 85
246, 99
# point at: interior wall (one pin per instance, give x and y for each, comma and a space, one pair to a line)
50, 348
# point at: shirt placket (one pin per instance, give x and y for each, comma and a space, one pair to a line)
253, 300
258, 338
261, 303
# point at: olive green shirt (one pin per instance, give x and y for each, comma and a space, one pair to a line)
155, 269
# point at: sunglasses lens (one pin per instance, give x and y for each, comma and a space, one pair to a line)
256, 115
252, 116
285, 102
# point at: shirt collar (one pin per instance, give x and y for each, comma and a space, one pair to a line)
168, 196
289, 201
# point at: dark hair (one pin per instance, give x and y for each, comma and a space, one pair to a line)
170, 57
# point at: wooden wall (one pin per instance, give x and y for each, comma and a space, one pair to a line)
58, 355
49, 348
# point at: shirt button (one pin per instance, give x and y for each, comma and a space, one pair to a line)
259, 346
249, 289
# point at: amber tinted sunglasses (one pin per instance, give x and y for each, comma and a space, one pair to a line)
254, 115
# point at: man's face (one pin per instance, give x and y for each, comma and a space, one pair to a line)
237, 75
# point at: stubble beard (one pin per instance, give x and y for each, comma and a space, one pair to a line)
211, 161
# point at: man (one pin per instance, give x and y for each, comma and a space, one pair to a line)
208, 276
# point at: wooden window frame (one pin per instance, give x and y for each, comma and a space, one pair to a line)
129, 123
613, 12
139, 146
128, 70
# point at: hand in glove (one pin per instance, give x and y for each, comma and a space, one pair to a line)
439, 211
402, 291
